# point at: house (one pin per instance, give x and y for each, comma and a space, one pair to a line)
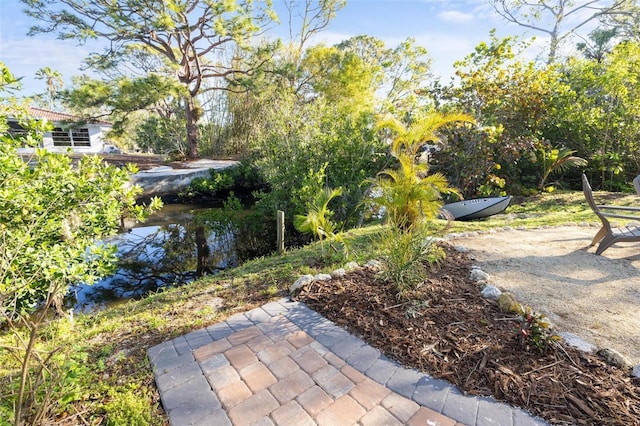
83, 137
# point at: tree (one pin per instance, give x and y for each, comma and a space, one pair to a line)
120, 99
597, 113
54, 82
342, 78
363, 73
626, 20
306, 19
599, 44
160, 135
400, 74
189, 35
550, 16
510, 98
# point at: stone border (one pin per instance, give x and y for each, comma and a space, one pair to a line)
492, 291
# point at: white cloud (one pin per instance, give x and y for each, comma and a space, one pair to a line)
455, 17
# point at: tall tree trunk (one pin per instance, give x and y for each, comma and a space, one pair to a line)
553, 50
192, 115
554, 43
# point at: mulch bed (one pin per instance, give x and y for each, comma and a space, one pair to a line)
447, 329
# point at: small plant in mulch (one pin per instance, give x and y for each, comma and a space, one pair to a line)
405, 254
534, 329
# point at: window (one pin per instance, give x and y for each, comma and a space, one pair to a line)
15, 129
60, 137
74, 137
80, 137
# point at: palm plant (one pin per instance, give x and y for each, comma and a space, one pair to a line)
557, 160
409, 194
318, 221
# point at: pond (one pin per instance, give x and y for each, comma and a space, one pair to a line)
173, 247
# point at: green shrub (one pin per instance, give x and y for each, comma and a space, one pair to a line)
217, 181
242, 177
128, 409
52, 213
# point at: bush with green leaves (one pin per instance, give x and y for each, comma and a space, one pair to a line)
53, 214
217, 181
160, 135
512, 99
297, 138
241, 178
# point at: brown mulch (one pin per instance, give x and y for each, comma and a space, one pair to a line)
446, 328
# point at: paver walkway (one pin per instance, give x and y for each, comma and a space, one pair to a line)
284, 364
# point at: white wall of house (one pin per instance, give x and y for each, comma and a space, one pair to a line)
88, 139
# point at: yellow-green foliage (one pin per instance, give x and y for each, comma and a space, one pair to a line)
127, 408
408, 193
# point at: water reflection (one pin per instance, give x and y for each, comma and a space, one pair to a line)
173, 247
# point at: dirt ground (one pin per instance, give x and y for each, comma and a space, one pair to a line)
556, 272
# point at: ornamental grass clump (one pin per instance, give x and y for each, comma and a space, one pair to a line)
405, 254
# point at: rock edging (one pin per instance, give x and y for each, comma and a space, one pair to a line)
507, 300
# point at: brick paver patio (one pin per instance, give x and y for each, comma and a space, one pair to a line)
284, 364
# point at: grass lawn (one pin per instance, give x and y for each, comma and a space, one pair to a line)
105, 371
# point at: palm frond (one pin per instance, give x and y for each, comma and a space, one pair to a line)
566, 160
317, 221
391, 123
409, 193
425, 129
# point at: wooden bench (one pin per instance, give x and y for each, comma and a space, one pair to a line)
608, 235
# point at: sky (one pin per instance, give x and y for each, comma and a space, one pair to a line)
448, 29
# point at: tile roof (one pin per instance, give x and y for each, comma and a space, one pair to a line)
58, 116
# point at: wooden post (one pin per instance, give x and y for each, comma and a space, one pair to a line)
280, 231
